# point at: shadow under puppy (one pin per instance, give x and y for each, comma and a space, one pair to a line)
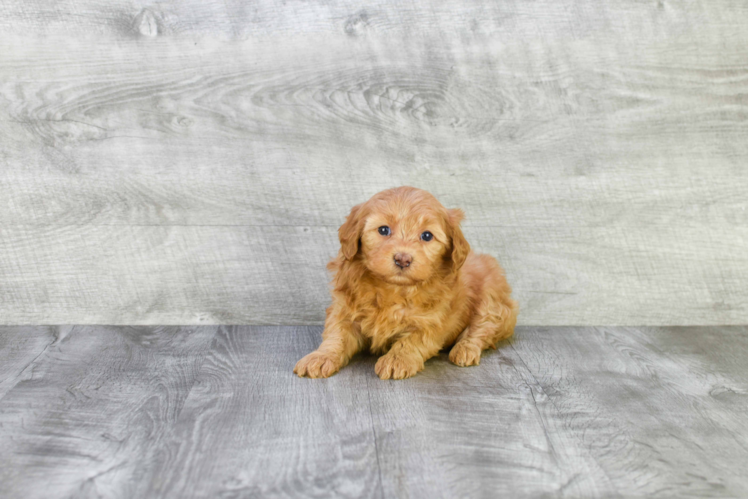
407, 285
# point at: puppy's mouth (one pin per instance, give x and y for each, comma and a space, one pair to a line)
394, 275
400, 277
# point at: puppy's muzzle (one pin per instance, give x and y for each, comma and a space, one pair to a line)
403, 260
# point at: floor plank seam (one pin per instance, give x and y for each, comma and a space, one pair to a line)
197, 373
374, 434
558, 410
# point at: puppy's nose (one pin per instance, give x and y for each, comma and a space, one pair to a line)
403, 260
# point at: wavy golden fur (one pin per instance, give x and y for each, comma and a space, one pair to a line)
405, 294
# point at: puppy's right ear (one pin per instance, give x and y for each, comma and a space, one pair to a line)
350, 232
460, 246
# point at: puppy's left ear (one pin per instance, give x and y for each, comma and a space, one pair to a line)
350, 232
460, 246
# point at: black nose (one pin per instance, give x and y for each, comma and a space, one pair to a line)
403, 260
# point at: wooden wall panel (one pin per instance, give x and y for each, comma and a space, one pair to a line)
276, 275
189, 162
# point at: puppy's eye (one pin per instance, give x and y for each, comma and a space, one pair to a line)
384, 230
426, 236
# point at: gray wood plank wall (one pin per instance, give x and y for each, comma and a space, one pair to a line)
189, 162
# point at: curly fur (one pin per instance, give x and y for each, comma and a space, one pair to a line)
448, 296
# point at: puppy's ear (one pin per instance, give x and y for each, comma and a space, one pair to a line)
460, 246
350, 232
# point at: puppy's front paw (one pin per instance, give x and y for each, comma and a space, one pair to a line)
465, 354
398, 366
317, 365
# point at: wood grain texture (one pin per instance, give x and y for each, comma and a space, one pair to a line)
19, 347
273, 274
217, 412
257, 430
478, 434
597, 149
86, 417
654, 396
574, 412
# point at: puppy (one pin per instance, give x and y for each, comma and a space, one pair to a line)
405, 286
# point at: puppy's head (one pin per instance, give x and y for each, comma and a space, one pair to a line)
404, 236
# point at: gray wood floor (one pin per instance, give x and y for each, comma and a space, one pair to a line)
99, 411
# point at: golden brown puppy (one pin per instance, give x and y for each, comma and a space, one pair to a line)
406, 285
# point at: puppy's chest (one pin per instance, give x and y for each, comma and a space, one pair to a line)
385, 318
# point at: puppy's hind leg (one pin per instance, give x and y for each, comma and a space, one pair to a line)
493, 321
